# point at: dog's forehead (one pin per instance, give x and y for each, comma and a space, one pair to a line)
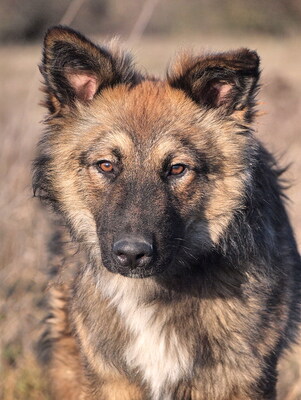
147, 110
149, 121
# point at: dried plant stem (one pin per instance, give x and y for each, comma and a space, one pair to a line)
71, 12
143, 20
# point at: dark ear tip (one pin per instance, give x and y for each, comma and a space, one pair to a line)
56, 30
59, 32
249, 57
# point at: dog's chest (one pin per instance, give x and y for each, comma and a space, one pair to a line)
156, 348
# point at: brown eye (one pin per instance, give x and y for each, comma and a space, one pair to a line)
105, 166
177, 169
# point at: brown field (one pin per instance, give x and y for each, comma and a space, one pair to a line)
23, 225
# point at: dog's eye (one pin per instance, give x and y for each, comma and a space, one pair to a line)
177, 169
105, 166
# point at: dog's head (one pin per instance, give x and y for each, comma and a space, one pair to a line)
147, 173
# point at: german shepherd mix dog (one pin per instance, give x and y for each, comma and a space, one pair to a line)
190, 287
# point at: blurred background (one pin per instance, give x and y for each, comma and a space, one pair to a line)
153, 30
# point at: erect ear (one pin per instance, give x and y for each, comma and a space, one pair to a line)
75, 69
223, 80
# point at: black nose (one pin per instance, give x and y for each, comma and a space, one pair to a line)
133, 251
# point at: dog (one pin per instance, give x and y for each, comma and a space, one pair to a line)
189, 284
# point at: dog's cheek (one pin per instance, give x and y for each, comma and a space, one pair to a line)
190, 197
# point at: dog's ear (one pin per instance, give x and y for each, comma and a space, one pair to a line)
75, 69
224, 80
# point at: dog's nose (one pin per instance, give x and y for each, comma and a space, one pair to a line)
133, 251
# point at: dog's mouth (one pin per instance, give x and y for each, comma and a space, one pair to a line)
137, 273
152, 267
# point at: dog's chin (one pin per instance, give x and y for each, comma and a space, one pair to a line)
137, 273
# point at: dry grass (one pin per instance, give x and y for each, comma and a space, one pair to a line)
23, 226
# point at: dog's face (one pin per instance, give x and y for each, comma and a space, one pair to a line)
147, 173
